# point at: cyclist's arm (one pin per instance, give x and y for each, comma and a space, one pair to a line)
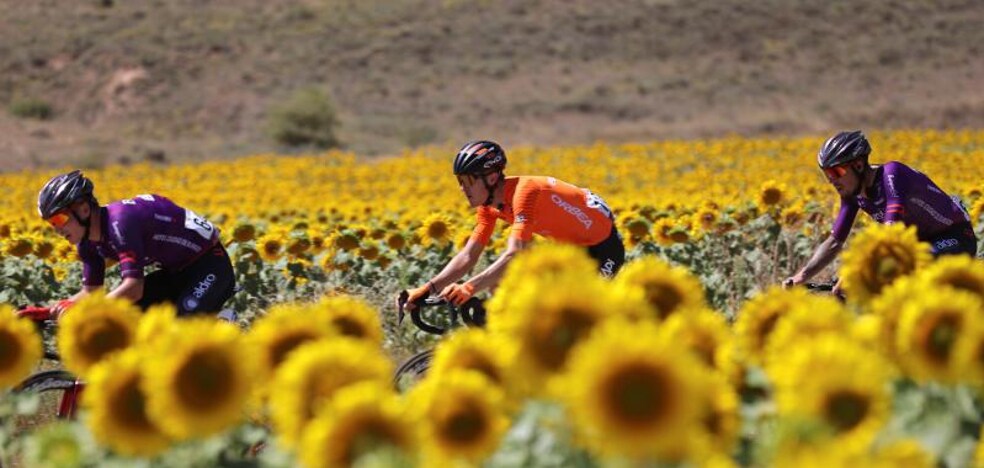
825, 253
462, 263
129, 288
490, 277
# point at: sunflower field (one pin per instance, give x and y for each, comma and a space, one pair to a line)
690, 356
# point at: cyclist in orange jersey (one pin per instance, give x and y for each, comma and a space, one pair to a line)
533, 205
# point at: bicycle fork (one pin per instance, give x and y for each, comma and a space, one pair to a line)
70, 401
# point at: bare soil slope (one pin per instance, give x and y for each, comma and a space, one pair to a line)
196, 78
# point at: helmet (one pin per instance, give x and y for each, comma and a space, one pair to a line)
479, 158
842, 148
63, 190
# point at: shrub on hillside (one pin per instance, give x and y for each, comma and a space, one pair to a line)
306, 118
31, 108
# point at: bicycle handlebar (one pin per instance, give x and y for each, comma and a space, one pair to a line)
472, 312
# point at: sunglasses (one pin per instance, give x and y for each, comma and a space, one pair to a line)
836, 172
59, 219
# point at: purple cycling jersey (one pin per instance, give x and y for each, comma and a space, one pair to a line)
143, 230
902, 194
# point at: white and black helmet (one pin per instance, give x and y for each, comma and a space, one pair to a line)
63, 190
479, 157
842, 148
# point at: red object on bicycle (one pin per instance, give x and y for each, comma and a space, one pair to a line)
35, 313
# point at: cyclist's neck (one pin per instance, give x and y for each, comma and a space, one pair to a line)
96, 224
868, 182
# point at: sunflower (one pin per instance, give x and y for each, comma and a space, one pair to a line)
197, 380
156, 322
20, 347
94, 328
311, 376
956, 271
18, 246
396, 240
243, 232
343, 240
547, 317
878, 256
117, 406
270, 246
640, 398
662, 229
298, 244
637, 229
283, 329
706, 218
702, 331
820, 314
758, 317
888, 308
667, 289
542, 261
369, 251
771, 194
436, 230
460, 416
362, 419
792, 216
932, 330
837, 383
43, 248
474, 349
351, 317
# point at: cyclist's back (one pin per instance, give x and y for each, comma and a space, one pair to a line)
548, 207
145, 230
902, 194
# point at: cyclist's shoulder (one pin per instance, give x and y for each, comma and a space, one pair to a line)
895, 168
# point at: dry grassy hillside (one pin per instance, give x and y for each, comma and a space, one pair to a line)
196, 78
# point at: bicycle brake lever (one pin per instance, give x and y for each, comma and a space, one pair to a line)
401, 304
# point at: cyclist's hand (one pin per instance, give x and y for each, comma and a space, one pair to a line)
61, 307
792, 281
837, 290
415, 295
458, 294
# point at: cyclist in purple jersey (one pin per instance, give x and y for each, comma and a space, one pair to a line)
889, 193
195, 272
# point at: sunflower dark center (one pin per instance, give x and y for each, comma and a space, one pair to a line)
437, 230
286, 344
10, 349
204, 379
942, 335
771, 196
964, 283
464, 426
130, 407
664, 297
569, 326
845, 409
102, 336
349, 327
638, 395
766, 327
478, 362
888, 262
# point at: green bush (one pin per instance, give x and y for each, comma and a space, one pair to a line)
306, 118
32, 108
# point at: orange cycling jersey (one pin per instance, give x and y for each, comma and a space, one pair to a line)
550, 208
